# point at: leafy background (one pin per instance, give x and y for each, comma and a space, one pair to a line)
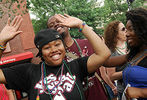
90, 11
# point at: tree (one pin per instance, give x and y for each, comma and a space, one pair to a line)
82, 9
116, 9
88, 10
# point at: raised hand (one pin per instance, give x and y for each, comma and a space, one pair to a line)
10, 30
69, 21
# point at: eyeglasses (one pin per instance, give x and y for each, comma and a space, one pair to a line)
123, 29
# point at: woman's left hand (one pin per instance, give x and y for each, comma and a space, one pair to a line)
114, 90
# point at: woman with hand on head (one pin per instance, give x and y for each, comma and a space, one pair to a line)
53, 78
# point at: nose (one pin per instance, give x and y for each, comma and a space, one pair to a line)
53, 49
127, 33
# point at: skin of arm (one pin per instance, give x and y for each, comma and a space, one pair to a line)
115, 61
113, 74
101, 52
106, 78
7, 34
116, 76
133, 92
10, 94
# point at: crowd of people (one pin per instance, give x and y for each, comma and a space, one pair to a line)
77, 69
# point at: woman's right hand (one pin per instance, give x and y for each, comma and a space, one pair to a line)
69, 21
10, 30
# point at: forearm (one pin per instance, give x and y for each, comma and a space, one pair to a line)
105, 77
101, 52
143, 93
116, 76
2, 77
97, 44
115, 61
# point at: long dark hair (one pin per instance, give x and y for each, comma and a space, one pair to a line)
138, 17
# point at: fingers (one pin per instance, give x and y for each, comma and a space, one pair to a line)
18, 23
8, 22
15, 34
61, 16
18, 20
13, 21
18, 32
66, 15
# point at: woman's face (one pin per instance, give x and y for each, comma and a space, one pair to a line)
121, 32
132, 38
53, 52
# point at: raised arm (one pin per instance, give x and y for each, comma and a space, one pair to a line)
7, 34
101, 52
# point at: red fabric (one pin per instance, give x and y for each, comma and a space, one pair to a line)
95, 89
15, 58
18, 95
3, 92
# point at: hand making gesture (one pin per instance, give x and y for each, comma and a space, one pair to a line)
69, 21
10, 30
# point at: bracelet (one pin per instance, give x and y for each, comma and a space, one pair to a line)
81, 28
2, 47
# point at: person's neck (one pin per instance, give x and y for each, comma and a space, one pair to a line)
68, 40
121, 44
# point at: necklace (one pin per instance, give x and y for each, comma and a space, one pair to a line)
44, 80
123, 47
73, 79
79, 49
120, 52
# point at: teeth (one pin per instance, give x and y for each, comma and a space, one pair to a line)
59, 28
57, 56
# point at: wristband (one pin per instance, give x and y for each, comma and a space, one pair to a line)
81, 28
2, 47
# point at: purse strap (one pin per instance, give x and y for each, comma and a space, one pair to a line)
99, 78
102, 82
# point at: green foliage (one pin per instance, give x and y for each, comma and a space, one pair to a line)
82, 9
116, 9
87, 10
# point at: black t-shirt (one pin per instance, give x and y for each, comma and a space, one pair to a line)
27, 77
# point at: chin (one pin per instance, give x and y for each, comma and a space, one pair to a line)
56, 63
